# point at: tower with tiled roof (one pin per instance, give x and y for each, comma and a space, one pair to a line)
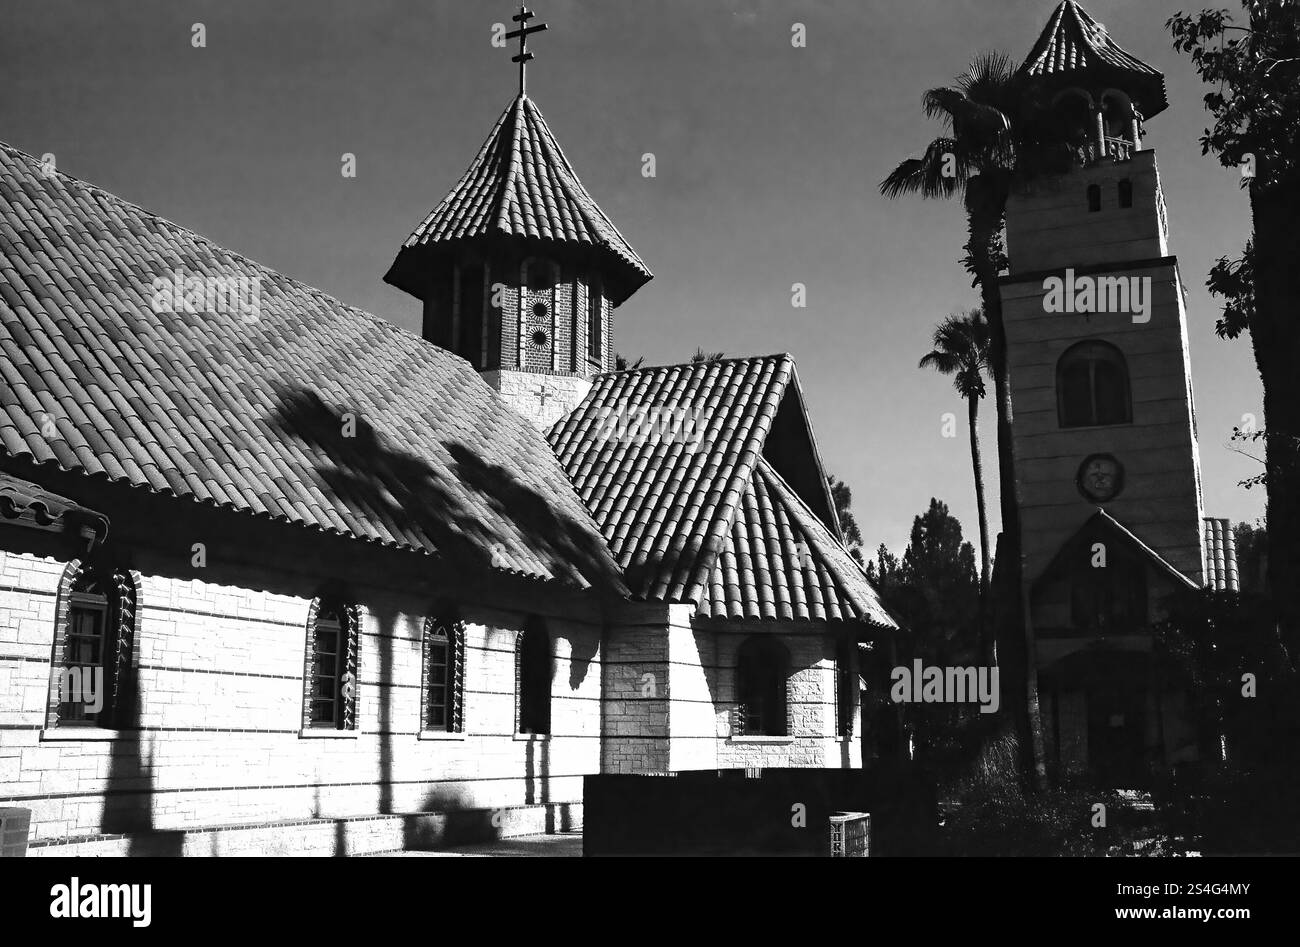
519, 269
1100, 371
1104, 432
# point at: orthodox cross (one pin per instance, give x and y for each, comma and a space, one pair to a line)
524, 31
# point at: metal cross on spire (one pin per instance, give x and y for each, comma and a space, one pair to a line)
522, 18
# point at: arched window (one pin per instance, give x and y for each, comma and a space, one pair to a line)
333, 656
1092, 386
595, 321
1094, 198
534, 672
1126, 193
762, 666
92, 648
1071, 117
444, 674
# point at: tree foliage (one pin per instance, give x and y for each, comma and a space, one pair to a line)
933, 590
1256, 107
961, 349
842, 497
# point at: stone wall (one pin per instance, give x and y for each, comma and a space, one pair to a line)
219, 739
541, 398
687, 724
810, 696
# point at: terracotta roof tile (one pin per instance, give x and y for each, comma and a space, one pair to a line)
27, 504
521, 185
1220, 556
670, 462
1073, 42
250, 415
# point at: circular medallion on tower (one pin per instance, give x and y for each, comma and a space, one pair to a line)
1100, 478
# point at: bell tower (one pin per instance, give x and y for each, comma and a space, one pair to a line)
1094, 310
1104, 425
518, 268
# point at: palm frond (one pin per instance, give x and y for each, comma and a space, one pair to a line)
945, 363
942, 102
961, 349
990, 78
925, 175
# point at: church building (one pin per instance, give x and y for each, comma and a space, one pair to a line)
1104, 420
277, 576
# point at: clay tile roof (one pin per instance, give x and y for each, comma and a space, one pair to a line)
1220, 556
309, 411
29, 505
780, 561
1074, 43
521, 185
670, 462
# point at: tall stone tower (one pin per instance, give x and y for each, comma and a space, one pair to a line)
1096, 326
519, 270
1104, 426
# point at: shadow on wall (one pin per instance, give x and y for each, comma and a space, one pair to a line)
340, 826
386, 619
129, 790
444, 503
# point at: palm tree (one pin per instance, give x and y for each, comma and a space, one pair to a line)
978, 158
703, 356
961, 349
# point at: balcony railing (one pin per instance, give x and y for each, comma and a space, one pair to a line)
1114, 149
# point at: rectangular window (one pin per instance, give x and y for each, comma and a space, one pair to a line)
439, 664
535, 670
328, 653
84, 655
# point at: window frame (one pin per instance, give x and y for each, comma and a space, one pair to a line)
532, 703
83, 603
1125, 193
1094, 198
452, 645
759, 657
1115, 357
345, 619
117, 611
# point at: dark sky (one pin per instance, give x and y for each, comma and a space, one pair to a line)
768, 159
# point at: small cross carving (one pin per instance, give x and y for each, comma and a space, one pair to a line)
542, 393
524, 31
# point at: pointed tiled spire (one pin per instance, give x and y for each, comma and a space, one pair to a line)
522, 186
1075, 48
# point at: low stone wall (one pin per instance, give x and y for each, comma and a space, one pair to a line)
369, 835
